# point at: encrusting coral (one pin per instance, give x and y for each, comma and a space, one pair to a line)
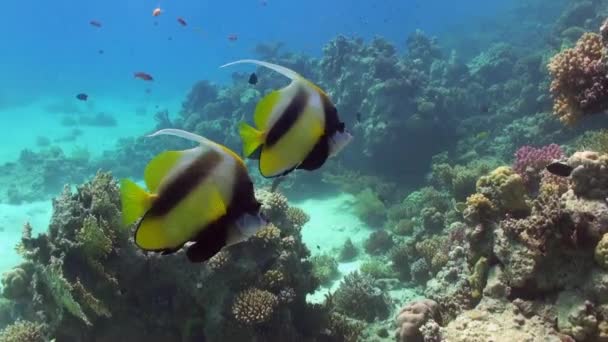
412, 317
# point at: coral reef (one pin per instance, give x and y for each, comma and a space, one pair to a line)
85, 279
360, 298
579, 85
412, 317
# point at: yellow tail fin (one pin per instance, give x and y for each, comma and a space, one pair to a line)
252, 138
135, 201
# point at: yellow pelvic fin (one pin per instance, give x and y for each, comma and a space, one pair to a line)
201, 207
135, 201
265, 108
251, 137
158, 168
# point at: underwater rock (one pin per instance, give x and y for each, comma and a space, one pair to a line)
499, 321
590, 174
576, 316
450, 288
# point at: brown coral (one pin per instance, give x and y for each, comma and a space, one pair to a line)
579, 85
22, 331
412, 316
254, 306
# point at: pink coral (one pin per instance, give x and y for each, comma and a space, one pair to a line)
530, 161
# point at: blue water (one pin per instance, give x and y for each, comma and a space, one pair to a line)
49, 48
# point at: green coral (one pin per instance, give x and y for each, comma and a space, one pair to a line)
478, 279
601, 252
324, 268
61, 289
369, 208
94, 304
376, 269
505, 189
348, 251
596, 141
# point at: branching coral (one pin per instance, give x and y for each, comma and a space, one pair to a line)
348, 251
369, 208
378, 242
579, 84
61, 290
254, 306
530, 162
324, 268
358, 297
23, 331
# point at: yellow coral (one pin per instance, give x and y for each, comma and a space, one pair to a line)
273, 279
601, 252
268, 235
431, 250
477, 280
22, 331
505, 188
297, 217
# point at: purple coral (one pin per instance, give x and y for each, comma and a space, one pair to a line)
530, 161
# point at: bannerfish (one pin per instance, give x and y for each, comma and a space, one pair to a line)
296, 127
202, 197
253, 79
143, 76
82, 97
560, 169
181, 21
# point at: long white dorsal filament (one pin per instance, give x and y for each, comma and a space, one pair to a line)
183, 134
280, 69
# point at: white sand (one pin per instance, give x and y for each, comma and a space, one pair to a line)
12, 219
332, 221
25, 123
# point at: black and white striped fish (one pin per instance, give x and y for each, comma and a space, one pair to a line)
203, 195
296, 127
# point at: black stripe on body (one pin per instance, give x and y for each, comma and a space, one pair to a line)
317, 157
212, 238
179, 188
288, 118
332, 121
319, 154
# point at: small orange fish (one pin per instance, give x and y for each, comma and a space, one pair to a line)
157, 11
